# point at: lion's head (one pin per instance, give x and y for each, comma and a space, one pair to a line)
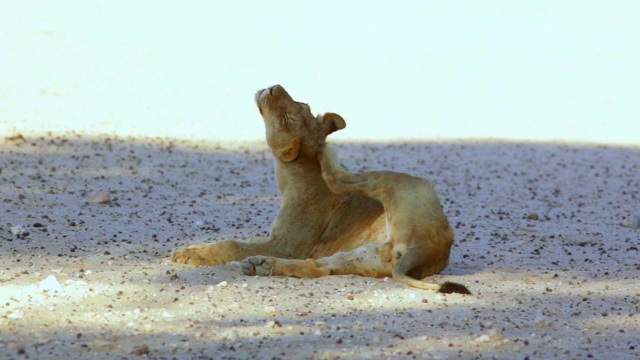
293, 133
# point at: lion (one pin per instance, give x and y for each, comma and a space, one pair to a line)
316, 232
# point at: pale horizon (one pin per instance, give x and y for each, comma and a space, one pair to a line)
418, 70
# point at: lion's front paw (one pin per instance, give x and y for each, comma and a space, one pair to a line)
258, 265
195, 255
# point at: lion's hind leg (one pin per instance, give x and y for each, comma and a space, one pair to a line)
372, 260
337, 178
347, 182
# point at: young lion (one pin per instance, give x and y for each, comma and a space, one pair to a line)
419, 237
316, 232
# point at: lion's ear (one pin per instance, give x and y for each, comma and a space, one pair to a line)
291, 152
331, 122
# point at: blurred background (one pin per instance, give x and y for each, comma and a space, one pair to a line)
537, 70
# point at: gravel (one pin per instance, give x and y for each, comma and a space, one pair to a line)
546, 239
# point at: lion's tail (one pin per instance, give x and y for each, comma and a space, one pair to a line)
413, 282
405, 263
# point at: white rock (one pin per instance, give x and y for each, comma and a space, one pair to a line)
18, 230
223, 284
16, 314
492, 335
271, 310
230, 334
50, 284
483, 338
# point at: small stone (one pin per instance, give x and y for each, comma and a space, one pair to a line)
20, 231
102, 197
16, 314
230, 334
483, 338
141, 350
223, 284
533, 216
493, 335
632, 223
270, 310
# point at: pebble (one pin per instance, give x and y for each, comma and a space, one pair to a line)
270, 310
632, 223
492, 335
16, 314
102, 197
19, 231
223, 284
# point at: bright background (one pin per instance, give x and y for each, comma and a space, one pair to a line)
536, 70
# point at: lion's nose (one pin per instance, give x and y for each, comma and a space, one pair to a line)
275, 88
265, 92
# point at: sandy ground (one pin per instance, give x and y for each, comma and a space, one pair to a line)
547, 240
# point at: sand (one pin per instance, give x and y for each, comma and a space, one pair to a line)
547, 240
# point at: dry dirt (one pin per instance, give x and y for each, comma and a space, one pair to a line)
547, 239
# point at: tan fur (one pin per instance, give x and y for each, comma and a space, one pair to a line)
418, 233
317, 232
